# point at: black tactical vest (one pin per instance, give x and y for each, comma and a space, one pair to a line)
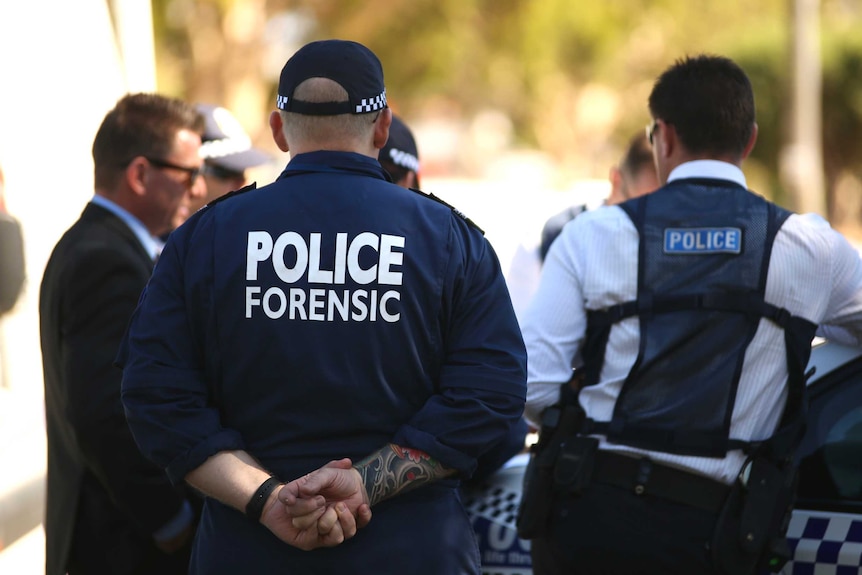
702, 265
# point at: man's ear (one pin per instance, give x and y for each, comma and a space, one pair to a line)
751, 141
381, 128
412, 180
616, 178
276, 126
136, 174
666, 140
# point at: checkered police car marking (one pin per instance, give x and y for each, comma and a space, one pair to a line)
822, 543
825, 543
493, 512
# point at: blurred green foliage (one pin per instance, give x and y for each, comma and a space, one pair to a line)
534, 59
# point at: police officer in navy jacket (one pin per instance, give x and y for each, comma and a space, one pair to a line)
327, 356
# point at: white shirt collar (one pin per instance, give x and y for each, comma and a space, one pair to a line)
714, 169
152, 245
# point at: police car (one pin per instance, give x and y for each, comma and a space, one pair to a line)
825, 532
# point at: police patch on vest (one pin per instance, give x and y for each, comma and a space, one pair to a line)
702, 240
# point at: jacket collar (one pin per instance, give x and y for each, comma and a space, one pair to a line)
335, 162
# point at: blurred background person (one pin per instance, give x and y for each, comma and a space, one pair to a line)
12, 272
228, 155
109, 509
400, 156
633, 176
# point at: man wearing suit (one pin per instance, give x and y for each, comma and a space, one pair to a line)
109, 510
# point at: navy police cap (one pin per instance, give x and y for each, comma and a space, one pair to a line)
400, 148
350, 64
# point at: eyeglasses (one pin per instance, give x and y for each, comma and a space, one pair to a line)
650, 130
192, 172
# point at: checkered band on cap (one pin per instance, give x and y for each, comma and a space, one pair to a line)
349, 64
372, 104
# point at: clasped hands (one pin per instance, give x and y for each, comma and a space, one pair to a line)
320, 509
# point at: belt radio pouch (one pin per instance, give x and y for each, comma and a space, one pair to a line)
750, 534
559, 424
536, 497
575, 462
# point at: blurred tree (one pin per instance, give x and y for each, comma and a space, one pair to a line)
214, 51
573, 76
842, 123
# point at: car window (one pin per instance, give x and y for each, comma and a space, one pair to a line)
830, 471
842, 453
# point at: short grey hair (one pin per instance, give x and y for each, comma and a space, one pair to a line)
338, 128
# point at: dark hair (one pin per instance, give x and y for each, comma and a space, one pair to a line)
140, 125
637, 157
710, 103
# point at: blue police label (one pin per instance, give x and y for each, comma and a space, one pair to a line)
701, 241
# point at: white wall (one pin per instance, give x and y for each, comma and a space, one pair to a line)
60, 72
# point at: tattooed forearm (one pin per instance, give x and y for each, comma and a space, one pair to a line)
395, 469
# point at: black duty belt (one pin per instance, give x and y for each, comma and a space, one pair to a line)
643, 476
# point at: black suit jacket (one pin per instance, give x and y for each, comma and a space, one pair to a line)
104, 499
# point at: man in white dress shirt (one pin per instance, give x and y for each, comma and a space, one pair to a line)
692, 309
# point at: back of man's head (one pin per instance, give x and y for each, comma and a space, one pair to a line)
327, 90
710, 103
636, 174
638, 156
140, 125
400, 155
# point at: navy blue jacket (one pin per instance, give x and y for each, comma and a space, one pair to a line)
319, 317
